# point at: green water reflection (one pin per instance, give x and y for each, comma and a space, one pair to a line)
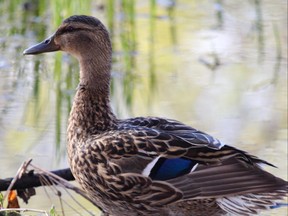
219, 66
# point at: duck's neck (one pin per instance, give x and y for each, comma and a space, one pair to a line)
91, 112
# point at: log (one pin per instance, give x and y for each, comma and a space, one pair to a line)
30, 180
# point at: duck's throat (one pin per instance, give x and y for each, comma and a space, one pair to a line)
91, 112
95, 74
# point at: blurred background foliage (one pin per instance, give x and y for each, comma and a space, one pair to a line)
218, 65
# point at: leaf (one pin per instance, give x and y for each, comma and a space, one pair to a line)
1, 200
52, 211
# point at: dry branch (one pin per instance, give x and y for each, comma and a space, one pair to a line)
29, 176
31, 179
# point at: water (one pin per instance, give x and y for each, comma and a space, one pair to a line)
220, 66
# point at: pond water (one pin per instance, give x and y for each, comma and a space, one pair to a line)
219, 66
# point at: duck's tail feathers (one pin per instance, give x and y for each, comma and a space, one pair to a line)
252, 204
279, 205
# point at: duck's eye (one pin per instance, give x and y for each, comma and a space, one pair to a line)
47, 41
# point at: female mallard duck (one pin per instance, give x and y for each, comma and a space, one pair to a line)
149, 166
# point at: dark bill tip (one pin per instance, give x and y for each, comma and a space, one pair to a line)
47, 45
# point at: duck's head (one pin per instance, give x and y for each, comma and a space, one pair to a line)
79, 35
87, 39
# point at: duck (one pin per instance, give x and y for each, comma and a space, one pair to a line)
149, 165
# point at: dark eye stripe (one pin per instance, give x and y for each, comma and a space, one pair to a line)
70, 29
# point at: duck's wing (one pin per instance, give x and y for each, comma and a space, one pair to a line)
177, 129
211, 159
196, 144
182, 161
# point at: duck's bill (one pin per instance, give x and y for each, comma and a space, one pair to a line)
47, 45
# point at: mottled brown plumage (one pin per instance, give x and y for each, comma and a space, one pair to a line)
149, 166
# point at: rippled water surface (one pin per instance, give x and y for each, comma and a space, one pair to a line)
219, 66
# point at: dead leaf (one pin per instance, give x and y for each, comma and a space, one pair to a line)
12, 200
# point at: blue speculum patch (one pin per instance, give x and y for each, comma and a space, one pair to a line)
168, 168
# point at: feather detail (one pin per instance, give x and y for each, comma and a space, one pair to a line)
149, 167
249, 204
279, 205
